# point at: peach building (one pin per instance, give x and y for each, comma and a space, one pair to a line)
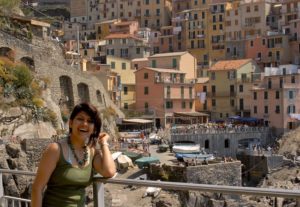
271, 49
167, 94
182, 61
276, 99
228, 89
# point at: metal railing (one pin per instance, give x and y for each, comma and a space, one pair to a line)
98, 187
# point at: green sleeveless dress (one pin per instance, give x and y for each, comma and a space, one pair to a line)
66, 186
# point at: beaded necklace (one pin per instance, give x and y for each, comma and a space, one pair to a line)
85, 153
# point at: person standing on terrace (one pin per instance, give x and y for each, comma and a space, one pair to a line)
67, 167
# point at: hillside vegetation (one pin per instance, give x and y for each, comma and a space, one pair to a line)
19, 88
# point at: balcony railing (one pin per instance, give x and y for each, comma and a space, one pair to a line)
98, 187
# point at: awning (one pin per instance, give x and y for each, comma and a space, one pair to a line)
193, 114
139, 121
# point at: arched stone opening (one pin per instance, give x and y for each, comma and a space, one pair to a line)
7, 52
66, 90
99, 96
83, 92
29, 62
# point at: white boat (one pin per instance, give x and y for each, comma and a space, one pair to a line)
198, 158
195, 148
124, 162
152, 191
115, 155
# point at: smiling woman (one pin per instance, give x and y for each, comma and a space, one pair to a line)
66, 167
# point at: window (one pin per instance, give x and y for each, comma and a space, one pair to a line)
169, 104
123, 66
182, 91
206, 144
277, 110
254, 95
256, 8
291, 109
280, 82
266, 109
266, 95
248, 9
251, 43
241, 88
213, 102
147, 2
153, 63
125, 90
213, 76
146, 106
157, 1
293, 80
255, 109
145, 75
277, 94
113, 65
136, 66
138, 50
191, 104
232, 102
174, 62
226, 143
146, 90
213, 89
125, 105
291, 94
269, 83
183, 104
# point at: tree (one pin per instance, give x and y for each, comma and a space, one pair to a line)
8, 5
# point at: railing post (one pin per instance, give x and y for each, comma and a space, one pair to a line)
98, 191
2, 200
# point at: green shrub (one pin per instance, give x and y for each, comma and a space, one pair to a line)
23, 76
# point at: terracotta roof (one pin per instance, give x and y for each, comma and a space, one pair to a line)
162, 70
230, 64
121, 36
168, 54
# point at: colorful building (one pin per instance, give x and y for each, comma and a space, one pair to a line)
165, 93
228, 90
276, 98
182, 61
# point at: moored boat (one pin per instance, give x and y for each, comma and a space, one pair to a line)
163, 147
186, 148
132, 155
146, 161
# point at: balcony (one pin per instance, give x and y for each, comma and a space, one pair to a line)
169, 80
99, 189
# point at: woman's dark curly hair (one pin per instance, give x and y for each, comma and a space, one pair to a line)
95, 116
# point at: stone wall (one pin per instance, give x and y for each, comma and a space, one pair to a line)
217, 140
49, 63
257, 167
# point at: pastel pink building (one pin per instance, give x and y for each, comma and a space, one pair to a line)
269, 50
276, 99
165, 92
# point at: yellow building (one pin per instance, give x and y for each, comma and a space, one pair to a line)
126, 80
228, 90
103, 28
155, 13
201, 31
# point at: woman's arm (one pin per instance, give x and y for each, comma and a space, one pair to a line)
46, 167
103, 161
